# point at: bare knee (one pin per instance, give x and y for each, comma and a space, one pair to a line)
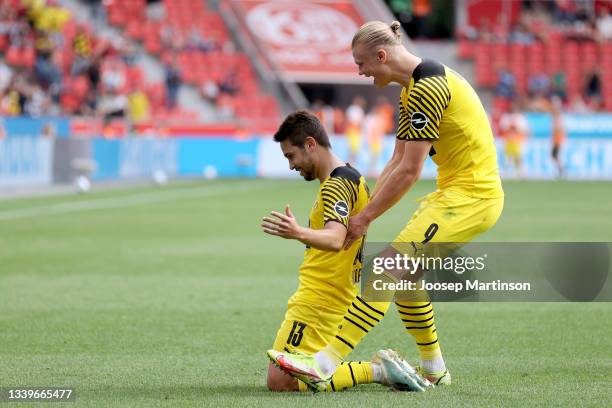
280, 381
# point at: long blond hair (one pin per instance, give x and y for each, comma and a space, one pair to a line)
377, 33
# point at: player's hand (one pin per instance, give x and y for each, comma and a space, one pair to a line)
282, 225
357, 228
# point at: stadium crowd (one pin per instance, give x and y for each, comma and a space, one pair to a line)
51, 64
556, 48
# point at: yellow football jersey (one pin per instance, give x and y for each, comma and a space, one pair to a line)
440, 106
329, 278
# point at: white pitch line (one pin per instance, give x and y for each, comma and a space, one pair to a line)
128, 201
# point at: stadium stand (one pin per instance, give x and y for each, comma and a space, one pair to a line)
53, 64
194, 40
550, 48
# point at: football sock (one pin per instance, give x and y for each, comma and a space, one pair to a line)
418, 319
435, 365
349, 374
359, 319
377, 374
328, 360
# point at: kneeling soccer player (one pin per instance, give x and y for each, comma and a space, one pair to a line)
328, 274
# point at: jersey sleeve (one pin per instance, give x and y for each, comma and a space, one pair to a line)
338, 198
420, 119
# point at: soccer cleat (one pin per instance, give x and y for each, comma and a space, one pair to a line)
397, 373
439, 378
301, 366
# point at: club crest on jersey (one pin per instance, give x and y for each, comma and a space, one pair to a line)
418, 121
341, 208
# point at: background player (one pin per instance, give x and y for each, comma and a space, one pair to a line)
328, 274
558, 135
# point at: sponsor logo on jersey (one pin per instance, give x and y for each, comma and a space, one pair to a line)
341, 208
418, 121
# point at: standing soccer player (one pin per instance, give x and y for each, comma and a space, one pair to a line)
328, 274
440, 115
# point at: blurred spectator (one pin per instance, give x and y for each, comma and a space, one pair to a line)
82, 47
578, 105
565, 11
486, 34
339, 120
514, 128
38, 102
21, 87
9, 105
559, 85
402, 9
128, 53
558, 135
520, 34
592, 84
139, 107
417, 26
93, 72
198, 42
173, 82
209, 90
228, 84
112, 105
113, 77
375, 127
604, 24
387, 112
538, 84
47, 73
506, 85
325, 113
6, 75
355, 115
539, 103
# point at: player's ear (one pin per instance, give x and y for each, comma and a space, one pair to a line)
310, 144
382, 55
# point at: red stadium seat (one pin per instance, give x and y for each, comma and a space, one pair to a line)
13, 56
80, 87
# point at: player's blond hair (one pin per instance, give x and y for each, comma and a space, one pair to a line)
376, 34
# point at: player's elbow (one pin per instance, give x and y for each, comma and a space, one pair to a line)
409, 174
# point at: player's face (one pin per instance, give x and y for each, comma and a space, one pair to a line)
371, 64
299, 159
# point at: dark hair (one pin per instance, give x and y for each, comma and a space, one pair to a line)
298, 126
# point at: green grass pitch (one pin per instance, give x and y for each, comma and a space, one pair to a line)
170, 297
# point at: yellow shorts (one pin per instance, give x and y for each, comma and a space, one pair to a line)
513, 148
307, 328
353, 138
375, 147
449, 216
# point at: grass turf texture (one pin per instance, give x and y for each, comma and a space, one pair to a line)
171, 297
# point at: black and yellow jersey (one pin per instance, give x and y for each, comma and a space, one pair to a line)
328, 279
440, 106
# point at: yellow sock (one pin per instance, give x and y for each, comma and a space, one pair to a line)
359, 319
418, 319
302, 386
349, 374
